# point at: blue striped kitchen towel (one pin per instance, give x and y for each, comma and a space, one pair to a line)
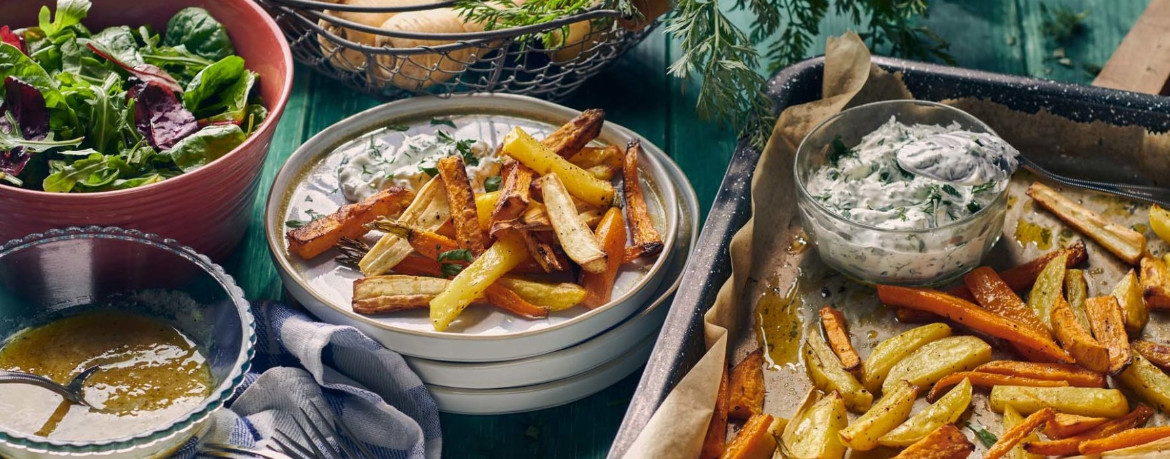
340, 370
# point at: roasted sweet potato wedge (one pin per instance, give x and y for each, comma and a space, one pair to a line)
646, 236
837, 334
747, 386
945, 442
716, 439
1155, 282
320, 235
461, 198
1109, 329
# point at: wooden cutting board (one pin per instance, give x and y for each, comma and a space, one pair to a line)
1142, 62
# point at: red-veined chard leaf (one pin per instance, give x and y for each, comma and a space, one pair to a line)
145, 72
28, 108
161, 118
7, 36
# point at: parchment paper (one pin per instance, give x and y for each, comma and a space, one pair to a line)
769, 264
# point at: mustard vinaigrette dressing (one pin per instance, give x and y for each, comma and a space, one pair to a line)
151, 374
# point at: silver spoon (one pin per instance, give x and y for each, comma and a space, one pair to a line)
72, 392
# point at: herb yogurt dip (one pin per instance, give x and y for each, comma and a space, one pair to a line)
412, 164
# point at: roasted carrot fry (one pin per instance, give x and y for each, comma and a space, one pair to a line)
646, 236
987, 380
1155, 282
1109, 329
1156, 353
914, 316
754, 440
506, 299
1125, 439
461, 198
1077, 341
716, 439
1072, 374
432, 245
612, 234
996, 296
1071, 445
513, 200
1012, 437
1021, 277
1066, 425
322, 234
972, 316
1127, 244
838, 336
747, 386
571, 137
945, 442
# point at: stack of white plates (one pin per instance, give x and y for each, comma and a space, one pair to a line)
489, 362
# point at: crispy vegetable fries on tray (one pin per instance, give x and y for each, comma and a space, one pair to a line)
444, 247
1079, 380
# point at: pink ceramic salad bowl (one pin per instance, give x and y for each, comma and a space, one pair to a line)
207, 209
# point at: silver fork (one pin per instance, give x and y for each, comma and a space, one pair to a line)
227, 451
315, 443
1153, 194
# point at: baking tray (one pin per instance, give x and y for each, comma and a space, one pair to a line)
680, 344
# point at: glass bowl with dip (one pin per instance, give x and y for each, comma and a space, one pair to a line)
903, 192
170, 331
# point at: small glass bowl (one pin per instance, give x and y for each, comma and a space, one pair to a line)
59, 273
875, 255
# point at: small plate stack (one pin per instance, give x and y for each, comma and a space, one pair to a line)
489, 361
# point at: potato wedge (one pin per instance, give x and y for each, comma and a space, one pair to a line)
1065, 425
461, 198
612, 234
891, 351
747, 386
888, 413
382, 294
1070, 445
813, 432
1109, 330
833, 323
1084, 401
972, 316
579, 182
507, 253
1021, 277
1072, 374
578, 242
945, 411
1048, 287
715, 442
1076, 291
1160, 222
1077, 341
1125, 243
1157, 353
1147, 381
1012, 418
945, 442
988, 380
996, 296
1012, 437
935, 360
1155, 280
1124, 439
645, 235
320, 235
1129, 295
428, 212
574, 135
827, 375
753, 441
553, 296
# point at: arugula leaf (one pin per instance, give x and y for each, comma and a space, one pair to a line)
69, 13
101, 111
200, 33
456, 255
492, 183
183, 64
95, 171
205, 146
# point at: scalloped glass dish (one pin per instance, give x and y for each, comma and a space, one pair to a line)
61, 273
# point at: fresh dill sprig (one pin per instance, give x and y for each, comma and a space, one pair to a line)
1060, 23
506, 14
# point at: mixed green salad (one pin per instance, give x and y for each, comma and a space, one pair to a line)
120, 108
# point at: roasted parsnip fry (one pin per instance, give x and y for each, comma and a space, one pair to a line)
753, 441
1157, 353
885, 415
945, 411
645, 235
996, 296
571, 137
428, 211
612, 234
1147, 381
716, 439
1127, 244
1072, 374
1065, 425
837, 334
891, 351
1012, 418
322, 234
1155, 280
554, 297
1048, 288
988, 380
747, 386
381, 294
1129, 295
935, 360
827, 375
1087, 351
814, 431
1070, 445
1084, 401
521, 146
577, 240
1016, 434
514, 198
974, 317
1124, 439
507, 253
543, 252
945, 442
461, 198
1109, 330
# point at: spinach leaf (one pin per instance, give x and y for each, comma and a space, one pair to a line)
79, 63
69, 13
195, 28
119, 43
205, 146
210, 82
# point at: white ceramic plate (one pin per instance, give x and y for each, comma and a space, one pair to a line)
547, 395
307, 183
588, 355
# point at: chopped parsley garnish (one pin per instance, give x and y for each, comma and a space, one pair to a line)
456, 255
839, 151
295, 223
314, 214
461, 146
982, 188
431, 171
492, 183
973, 207
985, 437
451, 269
951, 190
440, 122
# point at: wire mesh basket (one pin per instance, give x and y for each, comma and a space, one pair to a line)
398, 60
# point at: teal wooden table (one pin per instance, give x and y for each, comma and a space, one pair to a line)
997, 35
